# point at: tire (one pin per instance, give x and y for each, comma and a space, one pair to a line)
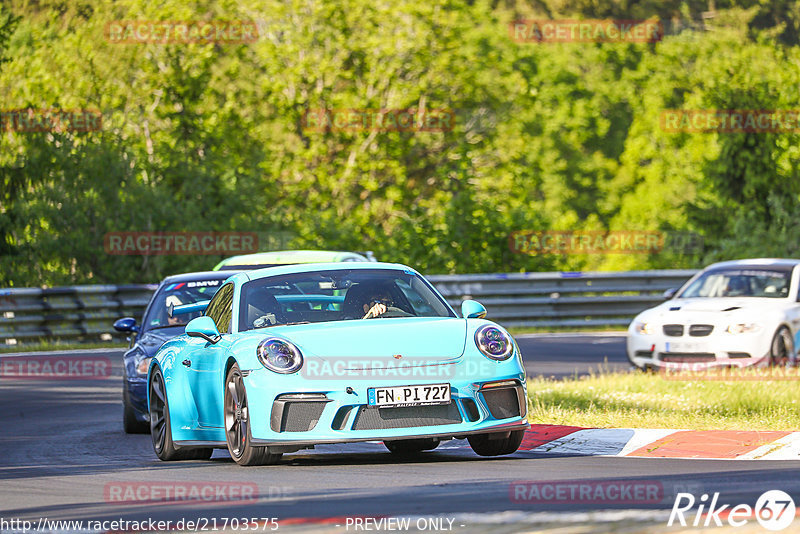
411, 446
160, 430
781, 350
496, 443
237, 424
130, 423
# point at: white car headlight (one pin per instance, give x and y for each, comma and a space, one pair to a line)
644, 328
743, 328
143, 366
494, 343
279, 355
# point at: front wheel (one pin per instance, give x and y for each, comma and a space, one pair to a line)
781, 351
496, 443
237, 424
160, 430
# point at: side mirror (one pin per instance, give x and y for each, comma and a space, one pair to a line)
669, 293
203, 327
472, 309
126, 324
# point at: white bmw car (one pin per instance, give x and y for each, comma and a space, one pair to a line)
734, 313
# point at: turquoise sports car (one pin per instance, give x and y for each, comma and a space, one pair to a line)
286, 358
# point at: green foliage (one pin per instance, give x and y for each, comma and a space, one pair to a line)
11, 180
210, 137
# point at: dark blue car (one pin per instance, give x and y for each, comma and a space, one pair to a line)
158, 326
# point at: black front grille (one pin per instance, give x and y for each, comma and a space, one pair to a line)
502, 402
700, 330
674, 330
370, 418
297, 412
301, 416
686, 357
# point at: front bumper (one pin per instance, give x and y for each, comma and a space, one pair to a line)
304, 412
135, 395
684, 352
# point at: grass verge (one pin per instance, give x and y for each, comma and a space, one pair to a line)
748, 401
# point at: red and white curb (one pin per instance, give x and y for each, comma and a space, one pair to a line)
631, 442
663, 443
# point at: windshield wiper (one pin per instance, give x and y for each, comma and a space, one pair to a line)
166, 326
284, 324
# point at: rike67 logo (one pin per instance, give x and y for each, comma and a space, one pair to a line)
774, 510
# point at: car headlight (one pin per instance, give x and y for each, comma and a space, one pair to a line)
279, 355
644, 328
494, 343
743, 328
143, 366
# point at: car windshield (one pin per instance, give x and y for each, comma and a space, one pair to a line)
340, 295
178, 294
740, 283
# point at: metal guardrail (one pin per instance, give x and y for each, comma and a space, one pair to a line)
590, 299
575, 299
79, 313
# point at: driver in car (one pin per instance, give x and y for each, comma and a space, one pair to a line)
380, 304
377, 306
737, 286
367, 300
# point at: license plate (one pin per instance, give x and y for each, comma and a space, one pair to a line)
399, 396
686, 346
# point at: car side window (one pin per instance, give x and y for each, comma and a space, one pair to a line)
220, 309
421, 308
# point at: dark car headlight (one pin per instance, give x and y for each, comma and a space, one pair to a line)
494, 343
279, 355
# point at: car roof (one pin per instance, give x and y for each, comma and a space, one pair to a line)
196, 276
783, 264
311, 267
290, 257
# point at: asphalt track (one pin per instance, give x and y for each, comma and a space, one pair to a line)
63, 452
561, 355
